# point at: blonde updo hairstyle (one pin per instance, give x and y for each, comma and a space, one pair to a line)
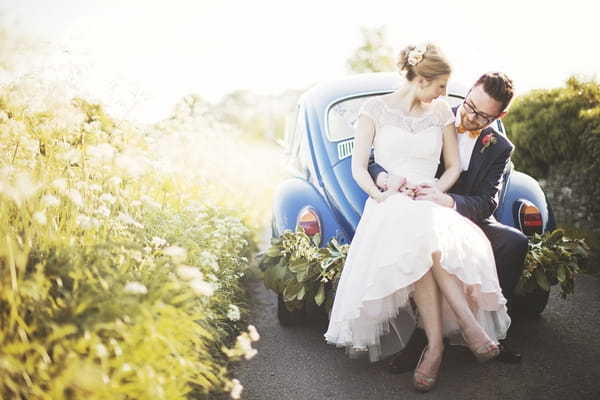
431, 64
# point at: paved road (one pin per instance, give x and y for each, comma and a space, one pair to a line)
561, 359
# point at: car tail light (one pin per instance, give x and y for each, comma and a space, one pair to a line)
530, 219
309, 221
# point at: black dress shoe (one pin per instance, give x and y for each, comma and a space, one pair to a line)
407, 359
508, 356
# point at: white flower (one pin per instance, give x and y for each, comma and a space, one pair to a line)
94, 187
103, 150
101, 350
115, 181
40, 217
60, 184
135, 204
178, 254
22, 190
244, 343
103, 211
108, 198
50, 201
236, 391
127, 219
158, 242
189, 273
149, 201
135, 288
210, 260
254, 336
83, 221
233, 313
75, 197
416, 55
201, 287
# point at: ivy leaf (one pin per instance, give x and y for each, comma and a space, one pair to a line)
320, 296
561, 273
292, 290
301, 293
542, 279
299, 265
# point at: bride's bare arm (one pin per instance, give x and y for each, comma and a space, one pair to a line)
451, 159
363, 141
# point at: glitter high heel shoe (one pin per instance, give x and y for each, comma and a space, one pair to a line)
423, 382
487, 352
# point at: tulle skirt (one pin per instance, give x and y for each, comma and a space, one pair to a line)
391, 250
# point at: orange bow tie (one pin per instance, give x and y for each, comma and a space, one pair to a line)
473, 134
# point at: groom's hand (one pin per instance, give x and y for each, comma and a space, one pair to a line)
432, 193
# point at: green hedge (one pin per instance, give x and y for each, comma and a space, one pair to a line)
556, 125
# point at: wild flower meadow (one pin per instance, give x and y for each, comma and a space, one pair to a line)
122, 251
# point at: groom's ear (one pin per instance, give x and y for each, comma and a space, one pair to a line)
502, 114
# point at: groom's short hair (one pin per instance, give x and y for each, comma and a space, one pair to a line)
498, 86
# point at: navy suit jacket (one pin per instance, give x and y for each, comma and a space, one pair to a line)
476, 190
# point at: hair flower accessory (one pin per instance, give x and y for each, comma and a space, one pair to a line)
415, 56
487, 140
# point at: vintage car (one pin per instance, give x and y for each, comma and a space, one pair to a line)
323, 197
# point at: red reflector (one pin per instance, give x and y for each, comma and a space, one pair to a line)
310, 228
309, 221
531, 219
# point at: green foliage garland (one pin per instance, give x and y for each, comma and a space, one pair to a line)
295, 267
553, 258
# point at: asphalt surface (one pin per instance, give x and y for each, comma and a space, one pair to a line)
560, 348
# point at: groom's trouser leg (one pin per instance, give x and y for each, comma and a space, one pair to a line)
510, 248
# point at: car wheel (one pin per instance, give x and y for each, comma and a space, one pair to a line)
532, 303
287, 317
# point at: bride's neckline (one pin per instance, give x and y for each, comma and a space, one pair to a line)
399, 111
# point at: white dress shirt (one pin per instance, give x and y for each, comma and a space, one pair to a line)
465, 143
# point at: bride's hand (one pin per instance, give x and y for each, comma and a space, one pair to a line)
409, 189
395, 182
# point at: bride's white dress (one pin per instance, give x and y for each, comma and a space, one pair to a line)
394, 241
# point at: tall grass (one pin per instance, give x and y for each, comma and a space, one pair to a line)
122, 250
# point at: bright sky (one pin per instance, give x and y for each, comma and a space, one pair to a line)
142, 56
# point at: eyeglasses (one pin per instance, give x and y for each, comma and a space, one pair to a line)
484, 118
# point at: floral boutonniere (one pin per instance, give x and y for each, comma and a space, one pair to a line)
487, 140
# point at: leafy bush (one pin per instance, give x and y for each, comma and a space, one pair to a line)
120, 262
552, 126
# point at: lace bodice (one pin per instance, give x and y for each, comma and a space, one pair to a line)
405, 145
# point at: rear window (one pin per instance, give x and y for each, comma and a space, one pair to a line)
342, 115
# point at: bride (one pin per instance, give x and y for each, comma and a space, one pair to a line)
405, 249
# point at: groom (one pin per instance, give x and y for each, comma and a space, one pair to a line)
485, 156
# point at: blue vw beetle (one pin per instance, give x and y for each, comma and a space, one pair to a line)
323, 197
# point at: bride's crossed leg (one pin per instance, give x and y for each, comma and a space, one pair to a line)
428, 293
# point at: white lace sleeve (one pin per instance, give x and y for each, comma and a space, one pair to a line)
444, 112
372, 109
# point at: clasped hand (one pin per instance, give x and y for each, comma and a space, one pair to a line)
393, 184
